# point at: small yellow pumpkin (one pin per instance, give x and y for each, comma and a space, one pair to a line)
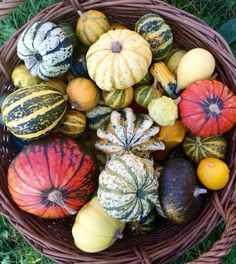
90, 26
21, 77
94, 230
119, 59
117, 25
83, 94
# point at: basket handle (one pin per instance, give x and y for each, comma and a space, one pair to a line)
6, 6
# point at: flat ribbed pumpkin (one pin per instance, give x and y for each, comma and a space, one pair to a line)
128, 188
90, 26
52, 177
98, 116
31, 113
119, 59
208, 108
118, 99
129, 133
73, 124
158, 34
46, 50
197, 148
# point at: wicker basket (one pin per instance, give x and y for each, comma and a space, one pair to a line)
53, 237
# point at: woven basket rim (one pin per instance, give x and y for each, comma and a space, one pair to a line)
220, 206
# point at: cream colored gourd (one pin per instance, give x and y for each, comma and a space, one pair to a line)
173, 60
197, 64
94, 230
119, 59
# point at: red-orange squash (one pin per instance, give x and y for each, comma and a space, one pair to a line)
52, 177
208, 108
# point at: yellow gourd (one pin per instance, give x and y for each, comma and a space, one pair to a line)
83, 94
173, 60
117, 25
171, 136
21, 77
94, 230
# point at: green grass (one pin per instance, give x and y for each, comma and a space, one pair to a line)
13, 249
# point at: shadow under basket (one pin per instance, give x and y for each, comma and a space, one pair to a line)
53, 238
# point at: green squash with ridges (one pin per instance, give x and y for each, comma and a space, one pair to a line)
31, 113
154, 29
128, 188
197, 148
98, 116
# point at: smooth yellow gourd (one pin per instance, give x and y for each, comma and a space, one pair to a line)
197, 64
94, 230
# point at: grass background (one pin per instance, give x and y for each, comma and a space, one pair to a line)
219, 14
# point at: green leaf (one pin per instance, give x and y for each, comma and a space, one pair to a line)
6, 260
4, 234
228, 30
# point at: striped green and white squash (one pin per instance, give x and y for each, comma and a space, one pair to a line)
127, 188
197, 148
46, 50
98, 116
73, 124
118, 99
148, 79
31, 113
154, 29
129, 133
144, 94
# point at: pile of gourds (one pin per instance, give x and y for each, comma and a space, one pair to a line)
116, 124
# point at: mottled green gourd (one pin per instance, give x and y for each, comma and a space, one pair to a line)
118, 98
98, 116
154, 29
197, 148
31, 113
129, 133
128, 188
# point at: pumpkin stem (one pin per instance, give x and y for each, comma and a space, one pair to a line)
214, 108
198, 141
82, 15
74, 105
56, 198
118, 234
116, 46
198, 191
155, 83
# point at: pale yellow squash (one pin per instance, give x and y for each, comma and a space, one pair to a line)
94, 230
119, 59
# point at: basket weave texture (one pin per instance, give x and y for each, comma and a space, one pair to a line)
53, 237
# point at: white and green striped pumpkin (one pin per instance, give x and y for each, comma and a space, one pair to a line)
154, 29
128, 188
197, 148
31, 113
118, 59
145, 93
129, 133
117, 98
46, 50
73, 124
98, 116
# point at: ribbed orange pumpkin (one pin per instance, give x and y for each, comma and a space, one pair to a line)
208, 108
52, 177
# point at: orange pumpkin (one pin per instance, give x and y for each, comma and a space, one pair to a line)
208, 108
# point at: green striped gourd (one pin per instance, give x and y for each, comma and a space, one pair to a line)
98, 116
148, 79
144, 226
154, 29
118, 99
73, 124
70, 31
129, 133
128, 188
46, 50
197, 148
31, 113
144, 94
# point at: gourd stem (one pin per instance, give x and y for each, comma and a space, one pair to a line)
214, 108
74, 105
118, 234
155, 83
198, 191
116, 46
177, 100
198, 141
82, 15
56, 197
65, 96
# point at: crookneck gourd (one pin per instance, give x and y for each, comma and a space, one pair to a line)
129, 133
